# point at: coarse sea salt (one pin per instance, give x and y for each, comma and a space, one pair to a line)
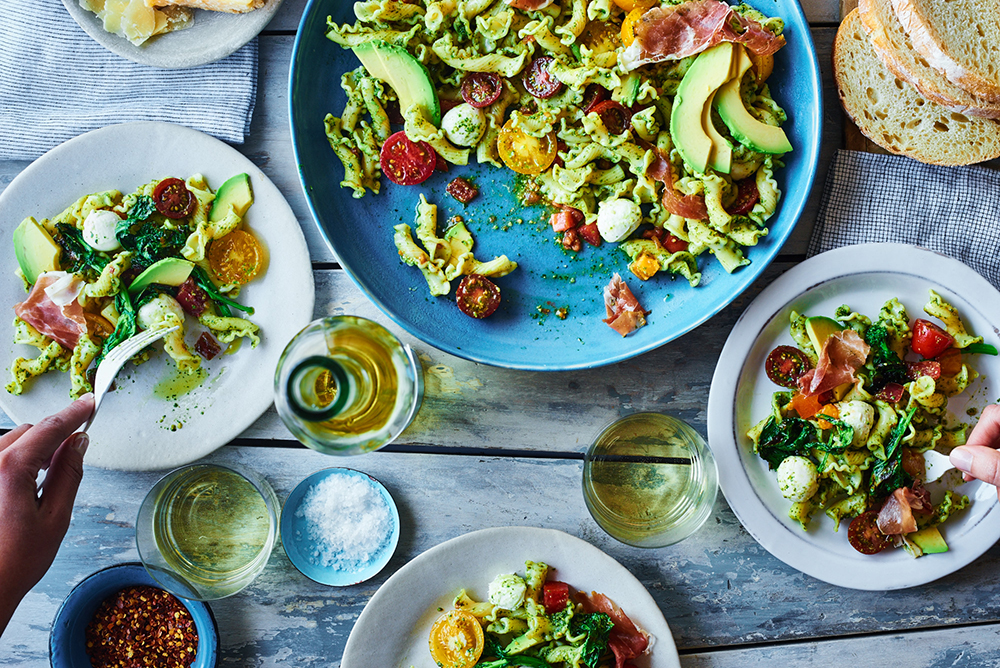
347, 521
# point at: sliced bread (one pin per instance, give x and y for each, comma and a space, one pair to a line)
894, 48
958, 37
895, 116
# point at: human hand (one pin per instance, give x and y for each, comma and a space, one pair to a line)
979, 457
32, 521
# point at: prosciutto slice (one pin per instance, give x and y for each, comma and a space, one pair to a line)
625, 640
53, 308
685, 206
896, 515
529, 5
676, 32
842, 355
625, 315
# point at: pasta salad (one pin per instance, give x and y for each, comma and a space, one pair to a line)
110, 265
864, 400
643, 123
529, 621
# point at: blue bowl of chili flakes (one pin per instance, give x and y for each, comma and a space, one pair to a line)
68, 640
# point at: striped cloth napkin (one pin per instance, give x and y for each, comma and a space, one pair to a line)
887, 198
56, 83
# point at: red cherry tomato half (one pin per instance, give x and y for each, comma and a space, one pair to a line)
865, 536
477, 296
173, 199
555, 596
746, 197
929, 368
407, 162
592, 96
538, 81
674, 244
616, 118
950, 361
481, 89
785, 364
929, 340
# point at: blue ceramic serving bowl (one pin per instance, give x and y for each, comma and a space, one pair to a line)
520, 334
298, 547
67, 640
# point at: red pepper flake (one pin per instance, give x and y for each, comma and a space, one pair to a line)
140, 627
462, 190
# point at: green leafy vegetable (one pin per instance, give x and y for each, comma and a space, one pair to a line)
888, 474
126, 326
980, 348
889, 368
222, 302
80, 255
794, 436
148, 240
502, 659
597, 626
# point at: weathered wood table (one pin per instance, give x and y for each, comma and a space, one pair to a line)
493, 447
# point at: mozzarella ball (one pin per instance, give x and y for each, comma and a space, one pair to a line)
464, 125
99, 230
507, 592
617, 219
861, 416
797, 478
162, 310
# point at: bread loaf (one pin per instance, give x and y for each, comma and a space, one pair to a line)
895, 116
958, 37
894, 48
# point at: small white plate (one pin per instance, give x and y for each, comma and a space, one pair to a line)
213, 36
137, 426
393, 628
863, 277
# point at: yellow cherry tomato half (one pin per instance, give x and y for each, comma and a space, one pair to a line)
236, 258
457, 640
627, 5
523, 153
639, 7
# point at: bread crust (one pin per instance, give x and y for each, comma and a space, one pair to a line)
895, 116
923, 37
893, 46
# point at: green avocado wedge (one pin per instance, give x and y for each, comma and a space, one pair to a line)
236, 194
408, 77
929, 540
35, 250
168, 271
711, 69
746, 129
819, 328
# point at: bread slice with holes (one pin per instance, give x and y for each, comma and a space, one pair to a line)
893, 46
958, 37
895, 116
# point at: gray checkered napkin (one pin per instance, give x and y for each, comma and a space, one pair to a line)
886, 198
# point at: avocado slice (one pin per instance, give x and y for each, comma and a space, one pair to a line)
630, 89
168, 271
236, 194
721, 158
35, 250
819, 328
710, 70
746, 129
407, 76
929, 540
459, 238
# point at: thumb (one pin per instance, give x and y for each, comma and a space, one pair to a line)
979, 461
63, 479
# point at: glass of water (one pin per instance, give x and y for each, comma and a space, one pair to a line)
649, 480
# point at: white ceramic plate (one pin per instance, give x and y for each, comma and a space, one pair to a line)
213, 35
863, 277
393, 628
133, 431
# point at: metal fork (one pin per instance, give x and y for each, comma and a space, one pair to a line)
115, 360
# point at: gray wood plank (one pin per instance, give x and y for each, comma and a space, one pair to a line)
719, 590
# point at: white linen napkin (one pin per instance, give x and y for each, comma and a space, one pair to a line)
888, 198
56, 83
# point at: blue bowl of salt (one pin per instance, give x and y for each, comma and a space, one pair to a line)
339, 527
